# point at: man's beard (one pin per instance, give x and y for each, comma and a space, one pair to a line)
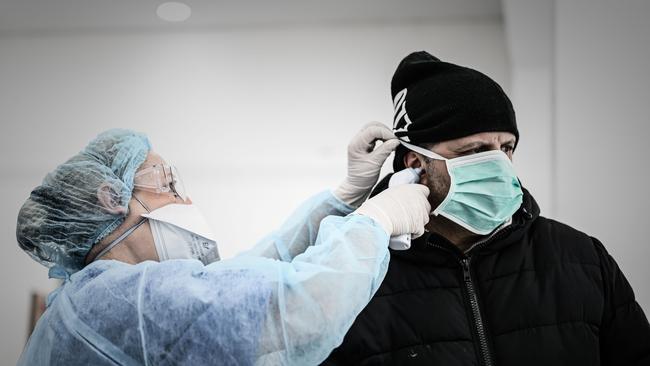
439, 182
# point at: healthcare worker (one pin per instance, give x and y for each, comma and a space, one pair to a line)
142, 280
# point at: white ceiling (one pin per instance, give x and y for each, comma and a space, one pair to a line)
18, 16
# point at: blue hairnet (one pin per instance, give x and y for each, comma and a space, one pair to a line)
63, 218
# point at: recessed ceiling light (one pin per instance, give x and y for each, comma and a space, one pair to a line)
174, 11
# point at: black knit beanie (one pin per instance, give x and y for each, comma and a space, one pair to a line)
437, 101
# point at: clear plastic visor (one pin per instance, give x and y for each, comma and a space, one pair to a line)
160, 178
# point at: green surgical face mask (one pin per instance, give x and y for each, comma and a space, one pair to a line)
484, 191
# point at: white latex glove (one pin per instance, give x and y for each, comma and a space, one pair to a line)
364, 162
400, 210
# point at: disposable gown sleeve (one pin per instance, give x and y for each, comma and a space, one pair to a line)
240, 311
299, 231
316, 297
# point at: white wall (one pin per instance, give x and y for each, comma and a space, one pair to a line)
257, 120
580, 74
529, 32
603, 127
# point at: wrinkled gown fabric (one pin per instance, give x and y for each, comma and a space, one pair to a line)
289, 300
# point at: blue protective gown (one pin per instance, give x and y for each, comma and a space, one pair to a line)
289, 300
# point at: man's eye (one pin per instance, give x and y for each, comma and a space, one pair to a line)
507, 149
470, 152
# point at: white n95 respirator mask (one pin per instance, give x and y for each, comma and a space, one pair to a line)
181, 232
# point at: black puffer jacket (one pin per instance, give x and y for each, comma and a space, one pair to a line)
537, 293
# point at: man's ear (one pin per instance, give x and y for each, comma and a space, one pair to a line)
411, 160
109, 200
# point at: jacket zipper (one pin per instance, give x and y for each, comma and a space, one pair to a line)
473, 298
469, 285
476, 312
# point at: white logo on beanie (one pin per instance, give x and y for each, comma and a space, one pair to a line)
401, 122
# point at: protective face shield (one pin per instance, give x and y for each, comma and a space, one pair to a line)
484, 191
160, 178
179, 232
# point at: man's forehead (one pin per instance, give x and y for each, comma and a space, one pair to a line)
483, 138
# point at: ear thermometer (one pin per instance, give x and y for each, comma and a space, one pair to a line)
406, 176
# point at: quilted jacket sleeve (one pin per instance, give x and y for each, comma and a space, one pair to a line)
624, 332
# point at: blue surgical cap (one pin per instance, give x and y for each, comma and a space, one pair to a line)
63, 218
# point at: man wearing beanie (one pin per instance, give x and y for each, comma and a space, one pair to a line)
492, 282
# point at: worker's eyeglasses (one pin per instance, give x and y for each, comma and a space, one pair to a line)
160, 178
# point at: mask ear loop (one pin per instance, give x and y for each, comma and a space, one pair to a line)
423, 151
119, 239
141, 203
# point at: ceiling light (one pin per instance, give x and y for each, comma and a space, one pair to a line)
174, 11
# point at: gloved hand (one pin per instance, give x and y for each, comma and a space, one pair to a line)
364, 164
400, 210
